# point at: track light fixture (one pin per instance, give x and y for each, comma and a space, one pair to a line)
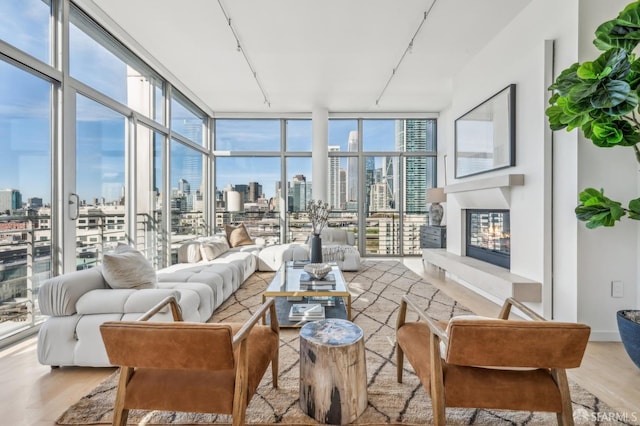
407, 50
244, 53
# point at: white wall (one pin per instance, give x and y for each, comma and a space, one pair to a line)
584, 262
607, 254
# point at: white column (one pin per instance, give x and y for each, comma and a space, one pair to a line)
320, 159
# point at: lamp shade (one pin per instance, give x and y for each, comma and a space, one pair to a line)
436, 195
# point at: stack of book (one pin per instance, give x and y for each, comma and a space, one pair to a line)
308, 283
306, 312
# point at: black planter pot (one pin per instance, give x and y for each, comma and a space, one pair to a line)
630, 335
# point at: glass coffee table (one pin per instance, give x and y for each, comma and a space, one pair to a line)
286, 290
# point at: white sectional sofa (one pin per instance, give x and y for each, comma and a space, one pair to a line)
207, 273
78, 302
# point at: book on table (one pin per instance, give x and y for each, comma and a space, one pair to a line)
306, 312
308, 283
329, 301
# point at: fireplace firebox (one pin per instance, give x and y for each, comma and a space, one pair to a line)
488, 236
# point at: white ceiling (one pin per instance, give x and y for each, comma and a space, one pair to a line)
334, 54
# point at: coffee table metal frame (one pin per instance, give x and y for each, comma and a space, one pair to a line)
286, 283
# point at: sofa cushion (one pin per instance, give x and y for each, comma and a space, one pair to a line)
128, 268
210, 251
334, 236
108, 301
238, 235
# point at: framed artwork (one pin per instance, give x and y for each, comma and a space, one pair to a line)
485, 137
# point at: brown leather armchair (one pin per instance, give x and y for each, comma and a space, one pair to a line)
477, 362
191, 367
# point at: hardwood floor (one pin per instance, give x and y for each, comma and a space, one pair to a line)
35, 395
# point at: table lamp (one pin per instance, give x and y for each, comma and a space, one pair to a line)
435, 196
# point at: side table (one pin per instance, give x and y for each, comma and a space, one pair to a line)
333, 371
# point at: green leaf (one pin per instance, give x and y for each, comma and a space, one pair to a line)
556, 117
566, 80
598, 210
622, 32
610, 94
607, 133
634, 209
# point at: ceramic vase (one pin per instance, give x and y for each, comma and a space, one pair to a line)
316, 249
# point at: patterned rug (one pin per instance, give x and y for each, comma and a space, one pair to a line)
376, 292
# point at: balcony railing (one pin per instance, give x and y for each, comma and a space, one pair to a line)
25, 262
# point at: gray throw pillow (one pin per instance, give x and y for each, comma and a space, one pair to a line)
128, 268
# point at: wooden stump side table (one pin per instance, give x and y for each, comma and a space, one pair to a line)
333, 371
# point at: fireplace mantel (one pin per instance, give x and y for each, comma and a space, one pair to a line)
493, 192
487, 183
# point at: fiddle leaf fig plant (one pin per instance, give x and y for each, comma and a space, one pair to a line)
600, 97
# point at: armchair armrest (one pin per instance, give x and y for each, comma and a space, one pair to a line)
506, 310
434, 327
172, 301
438, 334
243, 333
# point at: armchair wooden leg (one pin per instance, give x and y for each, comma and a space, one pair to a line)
402, 317
565, 418
120, 414
239, 416
274, 368
120, 417
436, 382
399, 362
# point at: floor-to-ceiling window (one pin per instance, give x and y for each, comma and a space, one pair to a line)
97, 133
298, 182
379, 170
377, 175
100, 181
26, 144
266, 165
150, 235
186, 193
25, 194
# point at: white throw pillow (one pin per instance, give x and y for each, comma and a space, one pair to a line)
189, 252
128, 268
210, 251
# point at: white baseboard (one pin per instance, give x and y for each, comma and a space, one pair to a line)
604, 336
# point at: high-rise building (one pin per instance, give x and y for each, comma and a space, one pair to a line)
255, 192
390, 165
379, 197
275, 203
10, 199
184, 187
34, 202
300, 194
334, 180
411, 135
243, 190
352, 168
343, 189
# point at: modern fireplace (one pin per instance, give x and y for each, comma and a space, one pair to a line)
488, 236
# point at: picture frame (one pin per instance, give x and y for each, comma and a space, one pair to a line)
485, 137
